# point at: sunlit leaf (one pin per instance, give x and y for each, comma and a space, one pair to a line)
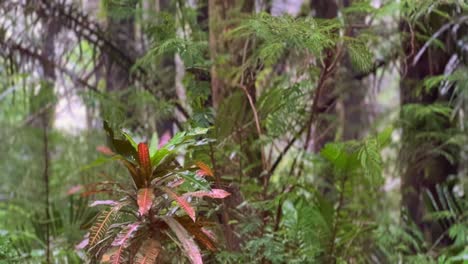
159, 155
154, 143
103, 202
214, 193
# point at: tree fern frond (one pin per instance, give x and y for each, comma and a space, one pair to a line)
360, 55
287, 33
371, 162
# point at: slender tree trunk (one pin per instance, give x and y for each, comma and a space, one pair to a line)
46, 178
422, 169
233, 99
121, 29
45, 96
167, 76
353, 91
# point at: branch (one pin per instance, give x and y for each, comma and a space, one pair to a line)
324, 74
435, 36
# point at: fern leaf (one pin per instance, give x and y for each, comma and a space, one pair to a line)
370, 159
188, 244
145, 200
148, 252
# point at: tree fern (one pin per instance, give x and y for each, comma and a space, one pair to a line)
280, 34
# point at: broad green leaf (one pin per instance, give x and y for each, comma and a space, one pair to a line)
153, 147
177, 139
196, 181
123, 147
336, 154
159, 155
385, 137
130, 139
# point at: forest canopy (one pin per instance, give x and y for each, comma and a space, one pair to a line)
225, 131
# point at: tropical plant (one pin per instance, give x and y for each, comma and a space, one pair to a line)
158, 204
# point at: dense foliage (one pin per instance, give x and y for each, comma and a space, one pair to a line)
318, 131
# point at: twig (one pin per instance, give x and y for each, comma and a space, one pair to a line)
254, 110
335, 223
323, 76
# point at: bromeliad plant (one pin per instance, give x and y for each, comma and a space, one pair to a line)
158, 207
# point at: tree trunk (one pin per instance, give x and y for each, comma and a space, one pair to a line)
121, 29
232, 98
45, 106
165, 124
353, 90
423, 168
